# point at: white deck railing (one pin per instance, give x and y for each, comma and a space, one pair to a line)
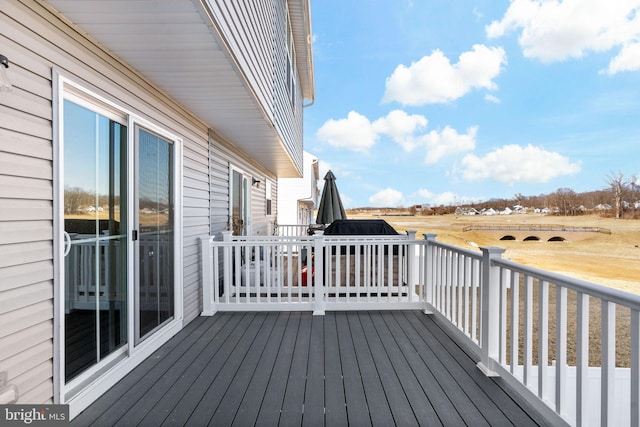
510, 314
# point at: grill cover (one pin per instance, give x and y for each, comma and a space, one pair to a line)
358, 227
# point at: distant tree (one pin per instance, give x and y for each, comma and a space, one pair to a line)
565, 199
634, 189
520, 199
75, 198
617, 184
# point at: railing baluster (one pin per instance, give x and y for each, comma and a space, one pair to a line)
515, 321
543, 336
582, 358
528, 329
561, 349
608, 322
505, 275
475, 288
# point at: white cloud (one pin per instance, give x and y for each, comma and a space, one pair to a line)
433, 79
357, 133
557, 30
514, 163
354, 133
387, 198
492, 98
627, 60
401, 126
447, 142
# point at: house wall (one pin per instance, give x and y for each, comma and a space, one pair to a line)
37, 40
222, 157
290, 210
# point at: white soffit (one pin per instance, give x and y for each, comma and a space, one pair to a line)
173, 45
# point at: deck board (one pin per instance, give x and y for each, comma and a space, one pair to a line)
293, 369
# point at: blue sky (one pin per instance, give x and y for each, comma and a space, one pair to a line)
450, 101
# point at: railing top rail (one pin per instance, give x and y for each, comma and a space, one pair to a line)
307, 240
603, 292
466, 252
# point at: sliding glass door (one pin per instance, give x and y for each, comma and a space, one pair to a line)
119, 236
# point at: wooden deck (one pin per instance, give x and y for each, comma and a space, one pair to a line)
294, 369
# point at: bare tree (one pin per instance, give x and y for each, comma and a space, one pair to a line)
75, 198
634, 188
617, 184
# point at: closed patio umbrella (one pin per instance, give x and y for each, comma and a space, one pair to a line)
330, 207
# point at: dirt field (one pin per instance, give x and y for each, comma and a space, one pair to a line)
606, 259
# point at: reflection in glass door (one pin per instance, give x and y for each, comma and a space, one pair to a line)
155, 225
95, 230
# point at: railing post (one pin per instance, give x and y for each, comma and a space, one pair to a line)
429, 269
318, 281
490, 314
412, 264
208, 304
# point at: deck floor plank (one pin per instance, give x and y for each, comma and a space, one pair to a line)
355, 398
217, 389
396, 397
374, 391
293, 404
291, 369
256, 390
494, 389
126, 393
230, 404
436, 395
415, 395
446, 379
269, 414
314, 392
206, 373
336, 408
156, 387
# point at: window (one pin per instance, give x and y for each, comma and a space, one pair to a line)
268, 198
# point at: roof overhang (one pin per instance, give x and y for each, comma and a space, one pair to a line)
178, 48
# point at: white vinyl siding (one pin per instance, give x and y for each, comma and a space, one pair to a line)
256, 33
246, 26
288, 114
36, 41
222, 157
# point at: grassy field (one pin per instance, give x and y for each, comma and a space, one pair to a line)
606, 259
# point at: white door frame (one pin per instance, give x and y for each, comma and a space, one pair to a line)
90, 385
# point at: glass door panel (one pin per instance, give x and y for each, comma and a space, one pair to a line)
239, 205
155, 222
95, 265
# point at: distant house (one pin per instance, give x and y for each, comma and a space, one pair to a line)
506, 211
603, 207
170, 121
489, 212
466, 211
